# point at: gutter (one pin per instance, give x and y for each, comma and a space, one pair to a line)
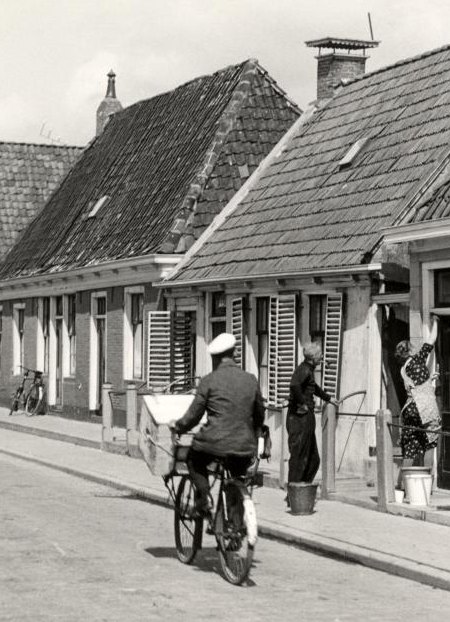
411, 232
115, 265
360, 269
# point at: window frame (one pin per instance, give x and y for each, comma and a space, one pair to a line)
260, 333
129, 337
18, 340
217, 319
70, 340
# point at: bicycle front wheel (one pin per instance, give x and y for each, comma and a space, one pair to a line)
14, 404
34, 400
188, 526
235, 530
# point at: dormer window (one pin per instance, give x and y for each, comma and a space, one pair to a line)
354, 150
97, 206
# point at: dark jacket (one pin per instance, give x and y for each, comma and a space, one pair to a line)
232, 399
303, 387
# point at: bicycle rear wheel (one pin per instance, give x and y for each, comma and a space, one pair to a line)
188, 526
34, 400
232, 534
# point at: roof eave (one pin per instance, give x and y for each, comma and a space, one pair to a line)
111, 273
359, 269
411, 232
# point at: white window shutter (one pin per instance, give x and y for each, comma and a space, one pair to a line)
332, 347
159, 349
182, 363
237, 329
282, 347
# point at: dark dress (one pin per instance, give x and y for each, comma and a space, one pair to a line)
304, 458
415, 442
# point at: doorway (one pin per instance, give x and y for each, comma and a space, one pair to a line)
443, 397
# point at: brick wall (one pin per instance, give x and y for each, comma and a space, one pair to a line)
75, 389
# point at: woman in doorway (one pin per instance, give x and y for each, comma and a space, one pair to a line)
421, 409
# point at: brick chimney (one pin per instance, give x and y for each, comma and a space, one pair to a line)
345, 61
109, 106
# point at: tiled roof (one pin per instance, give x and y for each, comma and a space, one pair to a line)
435, 207
306, 212
29, 174
167, 164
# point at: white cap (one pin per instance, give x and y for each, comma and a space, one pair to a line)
222, 343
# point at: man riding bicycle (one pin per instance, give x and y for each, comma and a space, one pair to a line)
232, 400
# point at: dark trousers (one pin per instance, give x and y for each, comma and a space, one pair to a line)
304, 458
198, 462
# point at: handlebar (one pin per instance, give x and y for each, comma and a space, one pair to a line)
28, 369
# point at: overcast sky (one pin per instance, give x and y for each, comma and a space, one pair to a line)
55, 53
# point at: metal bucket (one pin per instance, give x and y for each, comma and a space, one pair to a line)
414, 486
418, 488
302, 497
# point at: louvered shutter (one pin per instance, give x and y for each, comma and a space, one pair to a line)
182, 336
332, 347
237, 329
282, 347
159, 349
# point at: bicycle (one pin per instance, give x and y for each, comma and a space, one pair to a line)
33, 398
232, 521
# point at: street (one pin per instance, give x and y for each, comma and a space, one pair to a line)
72, 550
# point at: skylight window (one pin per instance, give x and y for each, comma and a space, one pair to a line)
97, 206
351, 154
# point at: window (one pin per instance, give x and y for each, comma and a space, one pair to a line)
97, 206
18, 337
133, 335
46, 331
442, 288
317, 314
137, 324
218, 314
262, 335
71, 330
351, 154
59, 332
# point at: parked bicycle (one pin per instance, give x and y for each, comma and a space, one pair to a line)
31, 397
232, 520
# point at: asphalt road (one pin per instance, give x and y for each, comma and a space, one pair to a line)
71, 550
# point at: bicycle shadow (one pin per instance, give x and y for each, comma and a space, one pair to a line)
206, 560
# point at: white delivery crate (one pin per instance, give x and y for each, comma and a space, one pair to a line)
155, 438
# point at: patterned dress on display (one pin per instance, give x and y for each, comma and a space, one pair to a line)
416, 442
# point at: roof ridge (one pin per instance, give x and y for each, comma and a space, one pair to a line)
240, 65
275, 84
399, 63
14, 142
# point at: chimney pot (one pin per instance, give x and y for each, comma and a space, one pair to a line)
345, 62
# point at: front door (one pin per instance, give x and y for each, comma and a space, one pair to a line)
443, 395
101, 358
